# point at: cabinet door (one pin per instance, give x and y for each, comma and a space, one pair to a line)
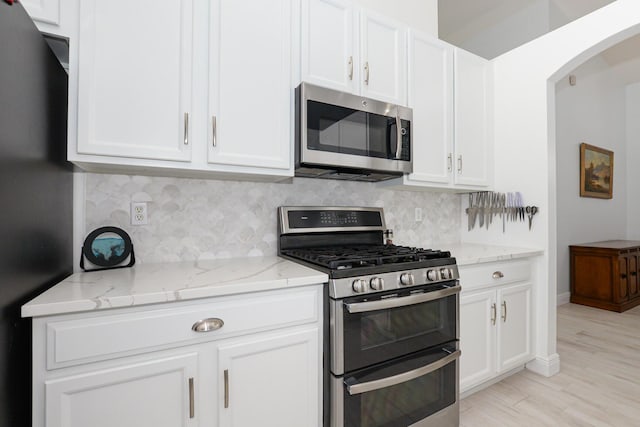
328, 50
270, 380
473, 149
514, 326
383, 58
625, 279
134, 88
478, 318
250, 90
431, 98
634, 285
152, 394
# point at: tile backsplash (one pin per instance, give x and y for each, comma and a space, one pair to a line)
192, 219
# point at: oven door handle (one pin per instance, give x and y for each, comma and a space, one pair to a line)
361, 307
403, 377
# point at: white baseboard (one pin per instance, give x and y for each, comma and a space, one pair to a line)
563, 298
546, 367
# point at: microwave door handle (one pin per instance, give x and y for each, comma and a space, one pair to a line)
403, 377
362, 307
398, 137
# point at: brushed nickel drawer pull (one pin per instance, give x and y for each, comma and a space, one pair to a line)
350, 63
493, 313
497, 275
504, 313
366, 73
186, 128
214, 130
192, 404
226, 388
208, 325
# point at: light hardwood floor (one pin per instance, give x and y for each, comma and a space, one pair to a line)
598, 383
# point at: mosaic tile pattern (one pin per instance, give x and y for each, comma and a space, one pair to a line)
193, 219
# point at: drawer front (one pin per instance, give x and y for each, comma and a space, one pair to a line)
490, 274
90, 339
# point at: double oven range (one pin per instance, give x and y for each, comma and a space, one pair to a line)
391, 319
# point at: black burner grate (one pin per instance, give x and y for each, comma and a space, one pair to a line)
343, 257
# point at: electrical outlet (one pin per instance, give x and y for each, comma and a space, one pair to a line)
418, 214
139, 213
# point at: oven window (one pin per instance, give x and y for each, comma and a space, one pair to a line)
377, 336
345, 130
402, 404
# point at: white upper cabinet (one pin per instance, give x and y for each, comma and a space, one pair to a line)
350, 49
449, 94
330, 58
430, 97
250, 83
383, 53
186, 88
473, 146
135, 79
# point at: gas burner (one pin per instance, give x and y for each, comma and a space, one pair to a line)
359, 256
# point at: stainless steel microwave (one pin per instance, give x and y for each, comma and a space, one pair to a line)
344, 136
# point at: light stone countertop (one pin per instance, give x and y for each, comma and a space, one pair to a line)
473, 253
164, 282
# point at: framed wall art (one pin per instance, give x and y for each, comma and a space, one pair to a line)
596, 172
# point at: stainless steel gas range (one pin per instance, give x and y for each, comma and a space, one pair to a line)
391, 319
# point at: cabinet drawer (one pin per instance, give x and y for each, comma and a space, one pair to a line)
89, 339
489, 274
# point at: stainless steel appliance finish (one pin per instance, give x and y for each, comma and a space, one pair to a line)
358, 138
392, 326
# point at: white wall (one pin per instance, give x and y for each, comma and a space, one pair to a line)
525, 142
633, 154
419, 14
592, 111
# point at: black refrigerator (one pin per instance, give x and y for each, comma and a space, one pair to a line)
36, 196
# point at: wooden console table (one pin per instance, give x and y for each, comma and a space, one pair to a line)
606, 274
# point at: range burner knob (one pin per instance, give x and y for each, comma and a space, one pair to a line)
445, 273
359, 286
377, 284
432, 275
406, 279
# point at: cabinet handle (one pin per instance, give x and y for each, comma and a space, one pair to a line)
504, 311
449, 162
207, 325
350, 63
493, 313
226, 388
623, 276
366, 73
497, 275
186, 128
460, 164
214, 130
192, 403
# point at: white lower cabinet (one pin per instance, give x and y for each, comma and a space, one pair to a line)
152, 393
495, 321
269, 380
262, 366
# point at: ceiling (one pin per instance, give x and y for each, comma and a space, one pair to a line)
464, 22
459, 21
